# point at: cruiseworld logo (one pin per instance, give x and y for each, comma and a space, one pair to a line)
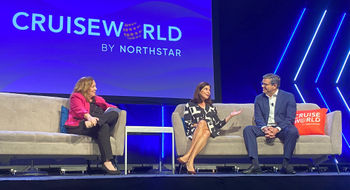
97, 27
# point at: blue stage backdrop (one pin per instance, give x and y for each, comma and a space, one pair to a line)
305, 42
137, 48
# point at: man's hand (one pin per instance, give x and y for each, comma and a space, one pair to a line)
267, 132
270, 132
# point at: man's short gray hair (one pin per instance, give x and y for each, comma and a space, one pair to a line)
275, 79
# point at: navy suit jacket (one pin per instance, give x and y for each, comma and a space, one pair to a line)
285, 109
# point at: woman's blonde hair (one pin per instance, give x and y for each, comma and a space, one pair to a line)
83, 85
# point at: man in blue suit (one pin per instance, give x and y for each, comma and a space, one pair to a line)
274, 112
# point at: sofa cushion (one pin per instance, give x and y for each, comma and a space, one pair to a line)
314, 139
31, 136
303, 139
227, 139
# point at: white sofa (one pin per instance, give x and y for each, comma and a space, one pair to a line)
29, 126
231, 143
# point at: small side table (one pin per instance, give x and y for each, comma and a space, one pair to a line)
148, 129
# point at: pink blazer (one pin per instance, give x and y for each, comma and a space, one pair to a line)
79, 107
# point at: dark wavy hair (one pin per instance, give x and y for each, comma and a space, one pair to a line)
196, 96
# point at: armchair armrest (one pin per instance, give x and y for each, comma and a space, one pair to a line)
180, 136
119, 133
333, 128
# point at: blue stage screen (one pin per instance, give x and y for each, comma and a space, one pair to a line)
137, 48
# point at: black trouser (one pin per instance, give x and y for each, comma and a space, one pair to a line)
101, 133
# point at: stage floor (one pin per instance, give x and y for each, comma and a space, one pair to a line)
300, 181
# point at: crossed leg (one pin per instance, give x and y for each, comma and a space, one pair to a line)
200, 139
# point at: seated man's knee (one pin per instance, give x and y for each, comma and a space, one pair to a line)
247, 129
293, 131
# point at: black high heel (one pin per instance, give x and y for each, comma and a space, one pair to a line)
191, 172
182, 164
110, 172
180, 168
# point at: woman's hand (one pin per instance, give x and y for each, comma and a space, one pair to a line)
232, 114
235, 112
93, 120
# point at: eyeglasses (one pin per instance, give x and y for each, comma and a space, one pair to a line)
264, 84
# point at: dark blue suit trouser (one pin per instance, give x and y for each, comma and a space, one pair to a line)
288, 136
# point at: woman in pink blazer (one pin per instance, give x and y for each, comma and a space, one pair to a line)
88, 116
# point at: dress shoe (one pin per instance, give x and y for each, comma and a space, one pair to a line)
253, 169
110, 172
192, 172
287, 170
182, 165
181, 168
